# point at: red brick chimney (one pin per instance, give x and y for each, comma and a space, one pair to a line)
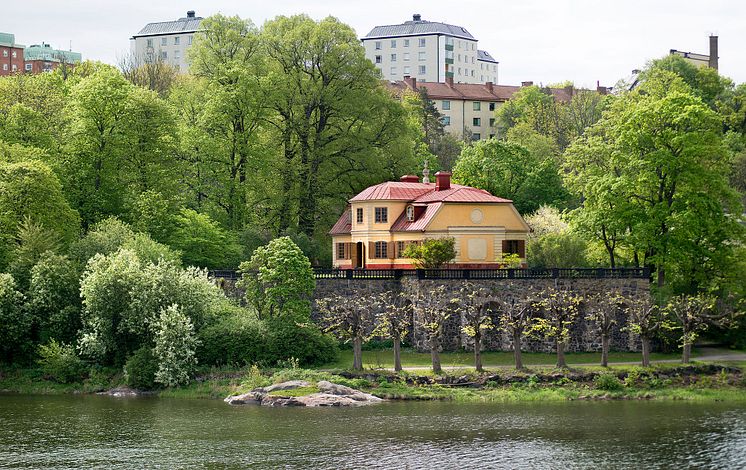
442, 180
489, 86
449, 81
411, 81
410, 179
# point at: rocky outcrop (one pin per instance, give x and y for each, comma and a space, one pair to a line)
329, 394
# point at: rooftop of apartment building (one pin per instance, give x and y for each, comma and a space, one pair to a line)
187, 24
46, 52
478, 91
9, 40
417, 27
485, 56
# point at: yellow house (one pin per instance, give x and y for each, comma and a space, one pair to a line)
383, 219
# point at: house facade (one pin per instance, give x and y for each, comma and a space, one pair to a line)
11, 55
167, 41
381, 221
431, 51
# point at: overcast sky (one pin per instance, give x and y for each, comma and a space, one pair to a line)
544, 41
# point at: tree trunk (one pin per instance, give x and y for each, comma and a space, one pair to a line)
645, 352
435, 355
561, 355
517, 350
686, 352
605, 350
357, 353
478, 352
397, 354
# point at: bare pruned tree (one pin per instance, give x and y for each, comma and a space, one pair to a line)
153, 74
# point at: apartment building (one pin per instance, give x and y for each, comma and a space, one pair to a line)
468, 109
430, 51
11, 54
702, 60
167, 41
42, 57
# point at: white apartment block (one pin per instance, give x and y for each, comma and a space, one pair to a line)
167, 41
430, 52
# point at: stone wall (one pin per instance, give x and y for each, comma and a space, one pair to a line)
582, 338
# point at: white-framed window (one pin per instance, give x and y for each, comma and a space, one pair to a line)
446, 120
5, 67
164, 55
422, 70
459, 70
164, 41
5, 53
406, 43
449, 41
177, 55
378, 59
445, 105
477, 122
189, 40
177, 40
406, 56
150, 42
14, 54
476, 136
29, 67
422, 56
407, 70
340, 251
15, 67
393, 57
410, 213
492, 106
393, 43
472, 73
492, 122
423, 42
393, 70
360, 215
378, 45
458, 58
476, 106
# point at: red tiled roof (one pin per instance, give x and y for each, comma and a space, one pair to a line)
472, 91
394, 190
424, 193
403, 224
458, 193
343, 225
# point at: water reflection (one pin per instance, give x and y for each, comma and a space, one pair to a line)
103, 432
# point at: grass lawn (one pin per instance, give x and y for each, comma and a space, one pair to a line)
384, 358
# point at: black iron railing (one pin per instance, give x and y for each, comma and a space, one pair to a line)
549, 273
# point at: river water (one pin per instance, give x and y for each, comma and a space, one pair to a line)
106, 432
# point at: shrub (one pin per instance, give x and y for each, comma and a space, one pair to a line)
608, 382
203, 242
54, 298
15, 322
59, 362
140, 369
236, 338
303, 341
105, 237
557, 250
432, 253
279, 280
175, 346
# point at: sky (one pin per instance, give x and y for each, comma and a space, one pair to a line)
542, 41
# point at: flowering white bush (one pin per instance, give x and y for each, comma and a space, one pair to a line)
175, 347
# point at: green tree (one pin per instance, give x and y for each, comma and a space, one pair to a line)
54, 298
557, 250
654, 170
15, 322
432, 253
694, 314
602, 311
203, 242
279, 280
30, 190
510, 171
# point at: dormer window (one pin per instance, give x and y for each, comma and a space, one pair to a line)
410, 213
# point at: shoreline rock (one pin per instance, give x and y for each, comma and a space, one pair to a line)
329, 394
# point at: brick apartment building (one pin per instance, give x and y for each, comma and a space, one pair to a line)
11, 54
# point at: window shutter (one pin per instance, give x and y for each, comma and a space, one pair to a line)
505, 246
371, 250
522, 248
396, 249
390, 247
